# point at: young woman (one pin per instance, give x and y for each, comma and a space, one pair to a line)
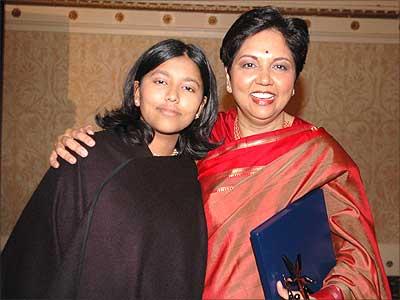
128, 222
268, 160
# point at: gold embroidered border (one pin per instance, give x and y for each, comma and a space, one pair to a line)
206, 8
244, 143
235, 174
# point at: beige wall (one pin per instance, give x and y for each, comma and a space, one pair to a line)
54, 80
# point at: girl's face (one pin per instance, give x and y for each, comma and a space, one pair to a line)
171, 95
262, 79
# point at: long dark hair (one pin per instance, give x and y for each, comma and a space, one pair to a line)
126, 121
294, 30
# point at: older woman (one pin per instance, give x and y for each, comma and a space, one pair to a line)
267, 160
270, 158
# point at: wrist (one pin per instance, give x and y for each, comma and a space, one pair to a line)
330, 292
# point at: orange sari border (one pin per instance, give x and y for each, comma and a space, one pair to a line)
259, 139
256, 150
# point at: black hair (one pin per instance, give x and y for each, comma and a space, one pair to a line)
126, 120
294, 31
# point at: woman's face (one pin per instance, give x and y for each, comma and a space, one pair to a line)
262, 78
170, 95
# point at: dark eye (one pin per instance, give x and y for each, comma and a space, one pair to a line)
189, 88
248, 65
281, 67
160, 81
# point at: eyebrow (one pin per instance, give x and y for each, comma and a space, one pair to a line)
183, 79
256, 58
282, 58
192, 80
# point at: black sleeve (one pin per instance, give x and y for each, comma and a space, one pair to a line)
35, 247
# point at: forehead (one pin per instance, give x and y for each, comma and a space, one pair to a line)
179, 67
267, 41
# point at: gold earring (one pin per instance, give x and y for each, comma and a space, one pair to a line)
197, 116
293, 92
228, 88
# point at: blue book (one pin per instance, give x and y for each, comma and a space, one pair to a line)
301, 228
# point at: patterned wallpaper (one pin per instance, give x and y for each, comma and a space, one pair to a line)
57, 80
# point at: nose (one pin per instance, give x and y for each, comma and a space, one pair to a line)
172, 95
264, 77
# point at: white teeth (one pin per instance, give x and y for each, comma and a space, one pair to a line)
263, 95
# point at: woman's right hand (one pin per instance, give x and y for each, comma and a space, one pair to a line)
68, 139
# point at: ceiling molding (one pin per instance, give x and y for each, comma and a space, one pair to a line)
183, 24
365, 9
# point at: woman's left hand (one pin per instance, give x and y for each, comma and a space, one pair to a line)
285, 294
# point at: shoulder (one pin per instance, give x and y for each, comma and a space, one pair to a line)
223, 128
109, 145
77, 184
227, 117
324, 141
108, 153
108, 140
339, 155
299, 121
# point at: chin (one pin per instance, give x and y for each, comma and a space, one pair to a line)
168, 130
262, 114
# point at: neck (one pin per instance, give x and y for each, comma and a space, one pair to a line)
163, 144
251, 128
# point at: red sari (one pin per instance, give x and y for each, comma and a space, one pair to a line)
247, 181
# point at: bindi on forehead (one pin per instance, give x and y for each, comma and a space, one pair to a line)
266, 52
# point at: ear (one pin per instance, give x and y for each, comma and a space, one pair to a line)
201, 107
228, 82
136, 93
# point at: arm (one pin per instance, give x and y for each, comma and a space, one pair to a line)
68, 139
29, 257
36, 245
359, 271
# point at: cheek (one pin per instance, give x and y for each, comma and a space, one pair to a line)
191, 102
192, 107
285, 83
242, 80
149, 97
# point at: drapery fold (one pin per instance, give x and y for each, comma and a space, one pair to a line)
247, 181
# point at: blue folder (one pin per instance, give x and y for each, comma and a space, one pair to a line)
301, 228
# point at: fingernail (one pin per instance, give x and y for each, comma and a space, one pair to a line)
72, 161
91, 143
83, 153
90, 132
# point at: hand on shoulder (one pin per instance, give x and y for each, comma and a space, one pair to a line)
69, 139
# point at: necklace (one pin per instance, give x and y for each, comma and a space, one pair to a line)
174, 153
285, 123
236, 129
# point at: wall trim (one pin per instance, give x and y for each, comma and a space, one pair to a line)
182, 23
371, 9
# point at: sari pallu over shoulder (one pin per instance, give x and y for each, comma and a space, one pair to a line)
247, 181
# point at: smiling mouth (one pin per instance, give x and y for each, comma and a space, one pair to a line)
262, 98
